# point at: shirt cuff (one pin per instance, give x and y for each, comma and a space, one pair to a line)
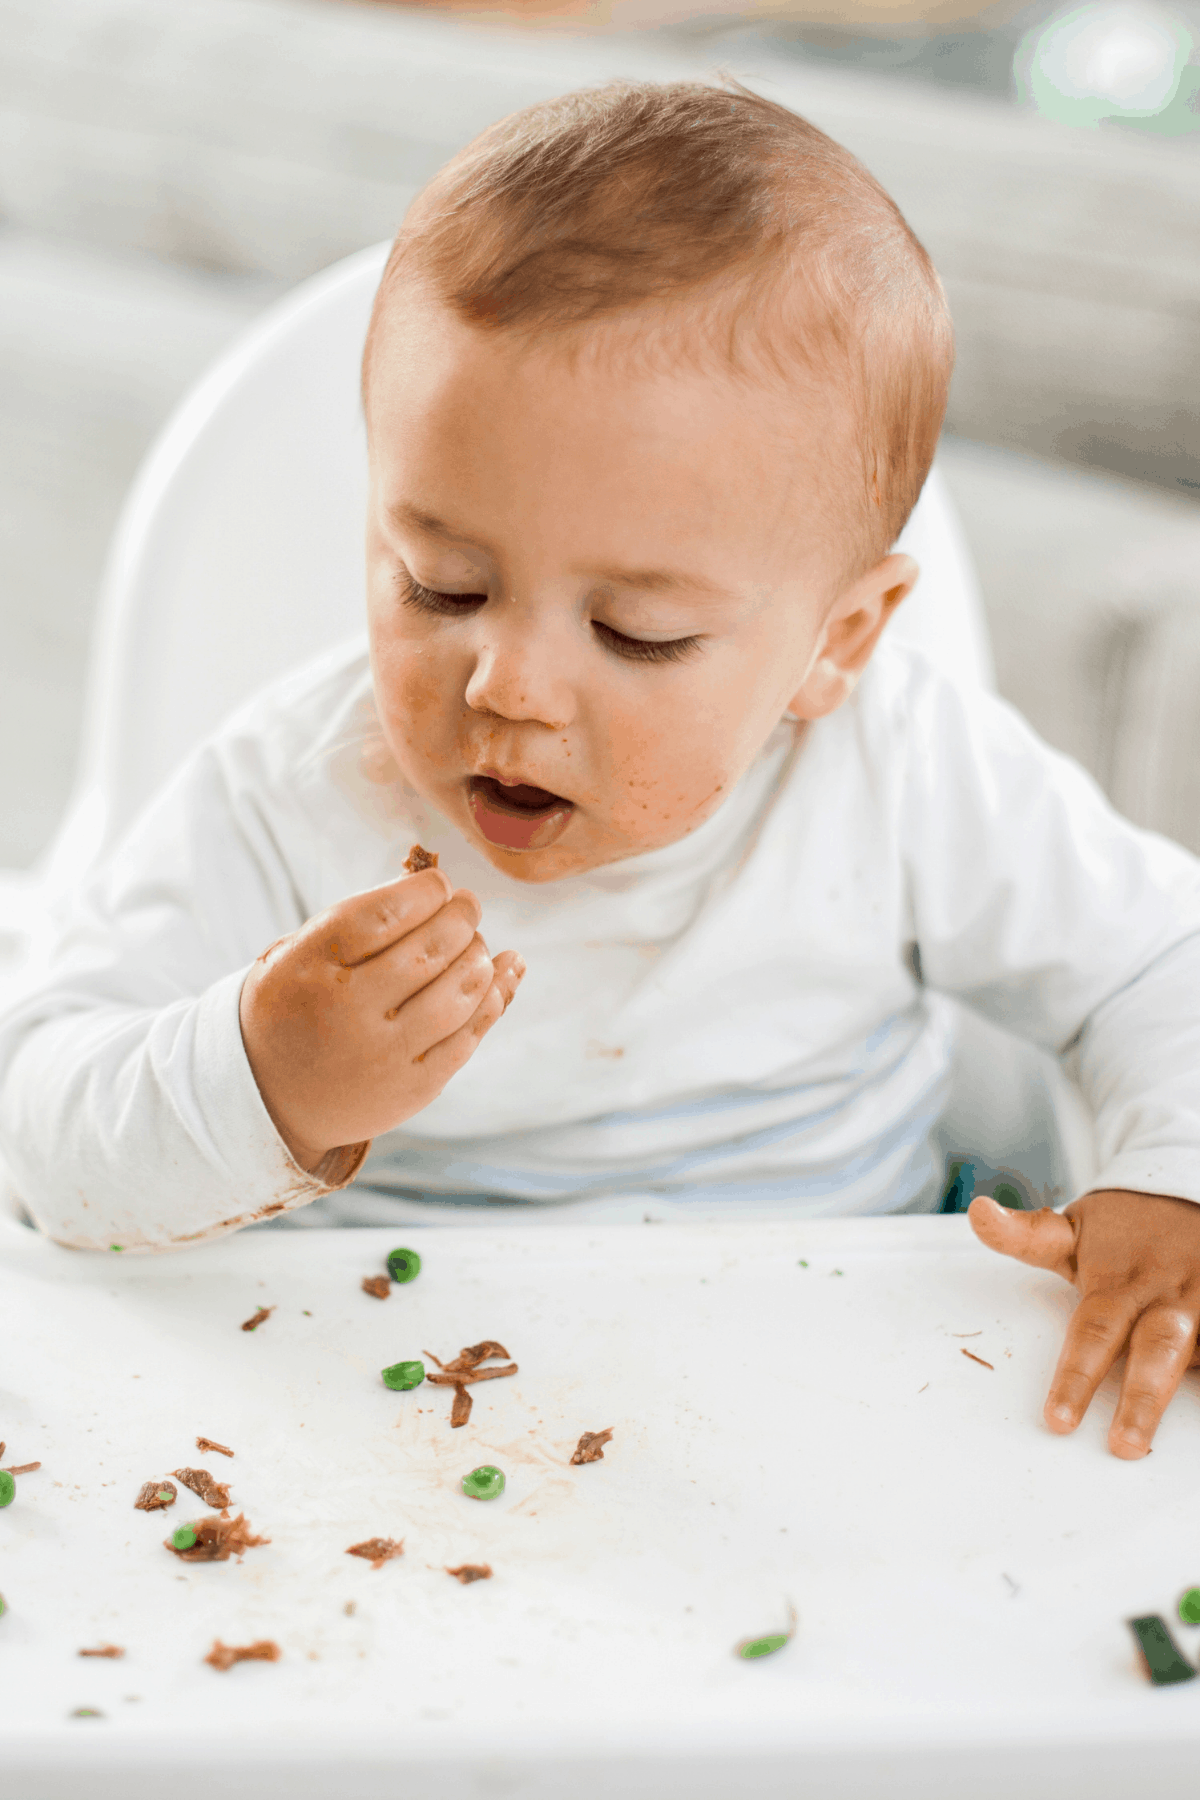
235, 1127
1172, 1173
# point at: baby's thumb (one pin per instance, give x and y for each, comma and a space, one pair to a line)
1045, 1238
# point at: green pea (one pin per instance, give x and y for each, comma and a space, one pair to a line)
3, 1606
8, 1488
403, 1376
116, 1246
403, 1265
165, 1495
484, 1483
1189, 1606
764, 1646
1160, 1653
183, 1537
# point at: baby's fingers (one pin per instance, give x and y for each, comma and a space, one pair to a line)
1045, 1238
1096, 1335
445, 1059
1160, 1349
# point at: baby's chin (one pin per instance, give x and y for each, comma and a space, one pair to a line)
559, 860
584, 846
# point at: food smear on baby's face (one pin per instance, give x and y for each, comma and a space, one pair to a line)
594, 587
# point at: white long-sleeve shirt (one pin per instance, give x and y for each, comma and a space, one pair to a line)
752, 1011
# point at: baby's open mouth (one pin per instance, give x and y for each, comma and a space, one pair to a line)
517, 817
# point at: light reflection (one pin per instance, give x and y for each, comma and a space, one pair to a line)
1113, 59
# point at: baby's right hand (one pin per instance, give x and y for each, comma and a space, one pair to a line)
359, 1019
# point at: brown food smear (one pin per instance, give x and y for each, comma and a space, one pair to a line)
978, 1359
377, 1551
590, 1447
213, 1493
22, 1468
378, 1286
264, 1312
223, 1656
148, 1500
211, 1444
418, 859
217, 1540
110, 1650
468, 1572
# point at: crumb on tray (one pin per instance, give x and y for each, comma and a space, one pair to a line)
214, 1539
460, 1410
156, 1496
403, 1265
401, 1377
264, 1312
213, 1493
590, 1447
377, 1551
750, 1649
203, 1443
223, 1656
110, 1650
487, 1482
464, 1371
468, 1572
419, 858
378, 1286
1160, 1654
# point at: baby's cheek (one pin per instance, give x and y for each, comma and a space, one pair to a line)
664, 780
412, 698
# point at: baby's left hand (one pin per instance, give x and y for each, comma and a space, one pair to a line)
1135, 1259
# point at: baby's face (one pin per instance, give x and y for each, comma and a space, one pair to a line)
592, 593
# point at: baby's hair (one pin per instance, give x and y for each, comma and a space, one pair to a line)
642, 202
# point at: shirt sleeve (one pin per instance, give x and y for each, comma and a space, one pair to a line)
1036, 903
129, 1114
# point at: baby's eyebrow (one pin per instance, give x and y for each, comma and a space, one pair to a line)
648, 581
662, 581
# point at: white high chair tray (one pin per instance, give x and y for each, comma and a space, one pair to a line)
782, 1435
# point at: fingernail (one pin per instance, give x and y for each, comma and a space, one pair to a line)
518, 967
1062, 1415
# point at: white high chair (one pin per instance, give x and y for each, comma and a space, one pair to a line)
239, 554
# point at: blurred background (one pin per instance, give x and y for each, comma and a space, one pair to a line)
169, 167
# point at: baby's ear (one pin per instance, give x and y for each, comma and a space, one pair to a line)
850, 633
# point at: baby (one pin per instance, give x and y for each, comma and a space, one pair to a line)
654, 378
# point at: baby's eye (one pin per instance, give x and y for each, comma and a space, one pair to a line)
426, 599
644, 649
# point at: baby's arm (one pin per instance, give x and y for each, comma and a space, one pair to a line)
1036, 903
130, 1115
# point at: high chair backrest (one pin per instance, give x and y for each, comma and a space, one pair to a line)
239, 553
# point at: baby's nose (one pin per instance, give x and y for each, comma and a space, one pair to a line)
521, 682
